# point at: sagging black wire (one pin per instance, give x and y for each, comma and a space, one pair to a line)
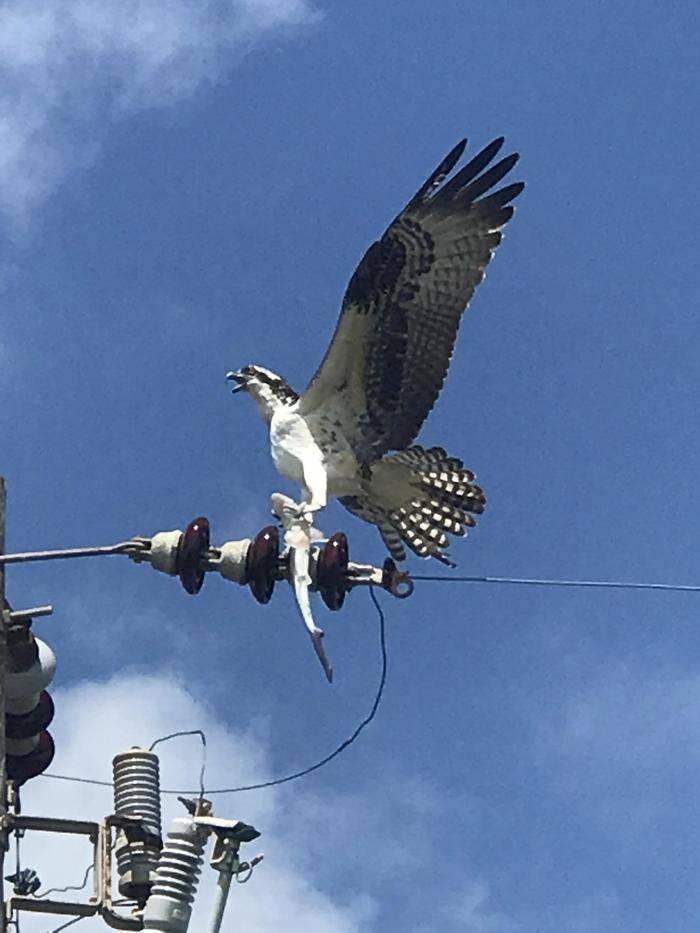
289, 777
341, 748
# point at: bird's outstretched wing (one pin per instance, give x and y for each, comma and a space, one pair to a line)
398, 324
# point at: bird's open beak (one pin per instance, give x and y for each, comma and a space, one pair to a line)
237, 378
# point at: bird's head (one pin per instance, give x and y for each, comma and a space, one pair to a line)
267, 388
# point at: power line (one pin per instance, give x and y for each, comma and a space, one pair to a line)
177, 735
535, 581
79, 780
289, 777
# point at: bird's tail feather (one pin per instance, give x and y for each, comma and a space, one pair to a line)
418, 497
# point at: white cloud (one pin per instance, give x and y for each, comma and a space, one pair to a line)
402, 813
67, 69
95, 721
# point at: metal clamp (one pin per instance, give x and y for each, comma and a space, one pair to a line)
228, 836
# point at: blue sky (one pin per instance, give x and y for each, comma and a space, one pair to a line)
186, 188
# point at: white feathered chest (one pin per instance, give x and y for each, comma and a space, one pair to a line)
318, 441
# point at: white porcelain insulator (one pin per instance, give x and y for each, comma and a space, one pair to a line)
170, 905
163, 551
231, 563
22, 688
136, 779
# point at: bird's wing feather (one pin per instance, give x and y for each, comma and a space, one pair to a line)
398, 324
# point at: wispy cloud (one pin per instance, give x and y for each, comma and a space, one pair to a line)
400, 811
68, 69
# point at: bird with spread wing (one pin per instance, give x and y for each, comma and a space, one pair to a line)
351, 433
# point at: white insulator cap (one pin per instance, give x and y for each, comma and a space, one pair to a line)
163, 551
231, 563
22, 688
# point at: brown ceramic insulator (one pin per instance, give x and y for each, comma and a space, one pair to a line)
261, 563
193, 545
24, 725
22, 768
332, 571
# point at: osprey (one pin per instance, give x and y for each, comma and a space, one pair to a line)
351, 433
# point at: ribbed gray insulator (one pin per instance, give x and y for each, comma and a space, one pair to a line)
175, 884
137, 793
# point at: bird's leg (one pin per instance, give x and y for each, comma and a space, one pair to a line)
314, 487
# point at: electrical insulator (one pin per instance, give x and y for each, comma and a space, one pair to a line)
28, 707
332, 571
175, 884
137, 794
261, 563
191, 547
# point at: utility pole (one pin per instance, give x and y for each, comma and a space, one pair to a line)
3, 673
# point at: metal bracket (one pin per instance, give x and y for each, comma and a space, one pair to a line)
24, 616
228, 837
99, 835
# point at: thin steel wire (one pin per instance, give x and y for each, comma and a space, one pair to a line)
535, 581
177, 735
